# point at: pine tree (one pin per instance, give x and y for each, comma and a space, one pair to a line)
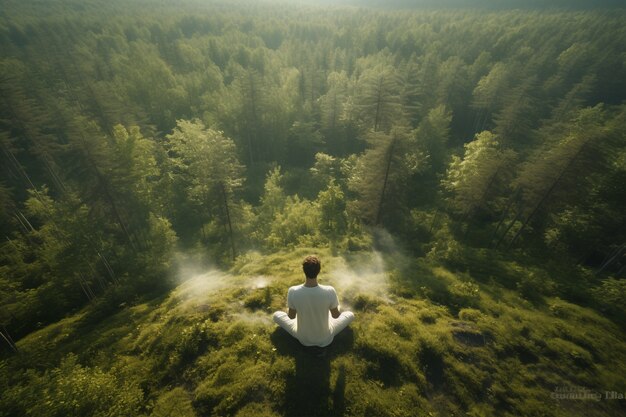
332, 103
432, 137
473, 177
489, 94
378, 98
381, 174
565, 166
208, 160
250, 88
333, 216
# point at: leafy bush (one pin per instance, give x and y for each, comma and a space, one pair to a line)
447, 249
611, 297
470, 314
259, 299
364, 302
296, 225
534, 285
174, 403
74, 390
465, 294
193, 341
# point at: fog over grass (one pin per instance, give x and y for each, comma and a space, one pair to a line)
368, 278
363, 275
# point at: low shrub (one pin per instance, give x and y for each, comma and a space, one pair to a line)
610, 297
176, 403
74, 390
470, 314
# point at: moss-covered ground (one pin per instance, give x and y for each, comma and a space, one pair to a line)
427, 341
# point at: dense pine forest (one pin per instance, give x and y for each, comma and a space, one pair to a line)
165, 166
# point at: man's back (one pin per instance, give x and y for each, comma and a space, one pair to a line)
314, 317
313, 305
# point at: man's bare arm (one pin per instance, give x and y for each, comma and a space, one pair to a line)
335, 312
292, 313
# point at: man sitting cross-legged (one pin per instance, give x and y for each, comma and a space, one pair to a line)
314, 318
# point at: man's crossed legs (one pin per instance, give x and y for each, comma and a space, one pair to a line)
336, 325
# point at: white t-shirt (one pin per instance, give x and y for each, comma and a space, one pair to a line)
312, 305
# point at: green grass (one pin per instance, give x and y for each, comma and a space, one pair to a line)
426, 341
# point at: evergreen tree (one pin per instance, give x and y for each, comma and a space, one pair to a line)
208, 161
566, 166
379, 99
432, 137
472, 178
381, 173
333, 216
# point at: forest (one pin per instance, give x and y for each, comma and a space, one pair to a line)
166, 165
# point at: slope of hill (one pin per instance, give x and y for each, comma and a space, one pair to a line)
426, 341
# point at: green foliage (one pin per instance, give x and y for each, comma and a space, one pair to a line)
587, 144
379, 99
465, 293
363, 302
333, 216
534, 285
381, 174
610, 296
201, 351
470, 314
293, 221
328, 168
206, 157
135, 155
72, 389
207, 162
231, 388
122, 128
432, 135
85, 111
473, 177
174, 403
272, 204
295, 225
260, 299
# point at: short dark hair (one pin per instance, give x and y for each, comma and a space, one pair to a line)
311, 266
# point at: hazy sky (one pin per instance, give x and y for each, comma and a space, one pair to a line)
471, 3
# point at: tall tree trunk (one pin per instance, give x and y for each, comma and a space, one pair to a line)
614, 256
7, 338
116, 212
253, 120
472, 212
86, 287
506, 231
512, 200
108, 197
230, 225
334, 113
108, 267
378, 104
432, 223
546, 195
387, 169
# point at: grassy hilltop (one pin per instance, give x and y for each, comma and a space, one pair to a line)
460, 171
427, 341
